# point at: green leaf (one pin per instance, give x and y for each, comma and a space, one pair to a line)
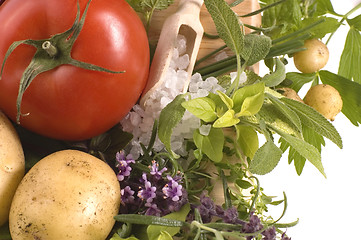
350, 61
203, 108
117, 237
228, 119
251, 105
157, 4
305, 149
156, 232
212, 144
350, 93
299, 79
227, 24
241, 94
226, 100
247, 139
287, 112
355, 22
314, 120
169, 117
256, 48
265, 159
329, 25
323, 7
276, 77
243, 184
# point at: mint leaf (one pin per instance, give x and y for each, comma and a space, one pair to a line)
256, 48
276, 77
350, 94
212, 144
350, 61
247, 139
227, 24
265, 159
169, 117
314, 120
203, 108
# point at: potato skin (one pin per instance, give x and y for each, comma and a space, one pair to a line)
325, 99
12, 165
66, 195
314, 58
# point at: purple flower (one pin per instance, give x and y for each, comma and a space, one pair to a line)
123, 165
153, 209
172, 189
284, 237
230, 215
147, 193
269, 234
155, 171
253, 225
127, 195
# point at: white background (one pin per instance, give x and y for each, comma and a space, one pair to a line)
327, 208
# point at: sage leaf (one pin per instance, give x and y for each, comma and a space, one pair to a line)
305, 149
228, 119
247, 139
275, 78
212, 144
265, 159
350, 60
256, 48
169, 117
157, 232
350, 94
313, 119
227, 24
287, 112
204, 108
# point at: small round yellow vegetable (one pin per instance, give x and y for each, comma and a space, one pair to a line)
12, 165
66, 195
314, 58
290, 93
325, 99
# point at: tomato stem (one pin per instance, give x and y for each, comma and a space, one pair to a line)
49, 48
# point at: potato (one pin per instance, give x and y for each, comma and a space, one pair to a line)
325, 99
12, 165
290, 93
67, 195
314, 58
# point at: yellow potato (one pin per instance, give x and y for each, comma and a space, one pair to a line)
12, 165
325, 99
290, 93
66, 195
314, 58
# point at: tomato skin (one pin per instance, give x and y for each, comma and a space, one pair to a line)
68, 102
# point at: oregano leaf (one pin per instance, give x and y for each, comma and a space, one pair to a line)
203, 108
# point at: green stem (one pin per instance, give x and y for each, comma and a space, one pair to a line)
256, 194
214, 231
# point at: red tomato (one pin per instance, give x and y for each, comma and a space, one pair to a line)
69, 102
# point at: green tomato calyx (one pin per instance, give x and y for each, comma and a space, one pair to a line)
51, 53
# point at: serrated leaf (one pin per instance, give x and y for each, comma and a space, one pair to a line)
228, 119
247, 139
305, 149
169, 117
275, 78
256, 48
314, 120
227, 24
212, 144
203, 108
350, 93
287, 112
265, 159
350, 61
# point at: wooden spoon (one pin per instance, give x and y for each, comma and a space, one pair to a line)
185, 21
